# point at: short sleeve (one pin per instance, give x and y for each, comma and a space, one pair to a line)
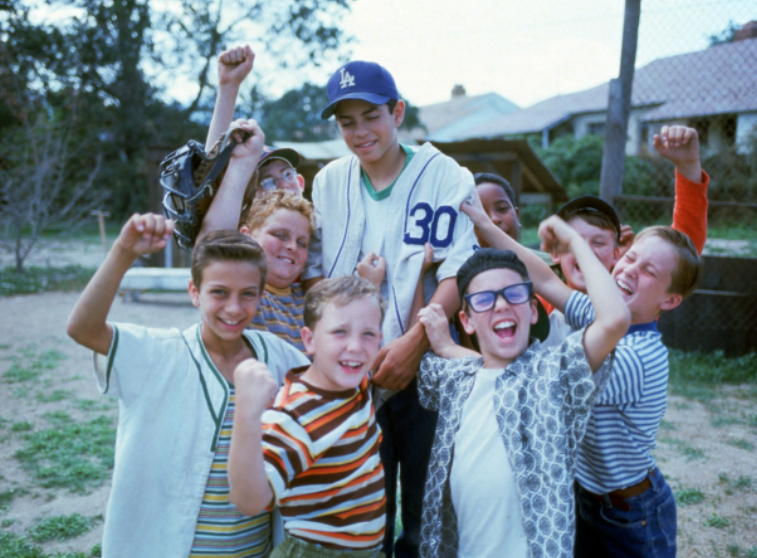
625, 383
280, 356
429, 379
136, 354
579, 312
287, 450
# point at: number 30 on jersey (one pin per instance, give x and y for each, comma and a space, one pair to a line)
426, 225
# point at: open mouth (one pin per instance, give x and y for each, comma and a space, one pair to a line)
351, 366
287, 260
505, 329
366, 145
230, 323
624, 287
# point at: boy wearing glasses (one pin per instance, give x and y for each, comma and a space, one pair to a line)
510, 420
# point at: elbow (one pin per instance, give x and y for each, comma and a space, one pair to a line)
245, 504
74, 329
620, 322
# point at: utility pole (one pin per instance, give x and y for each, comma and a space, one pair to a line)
619, 107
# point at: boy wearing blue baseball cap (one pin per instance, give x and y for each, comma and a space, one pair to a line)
382, 205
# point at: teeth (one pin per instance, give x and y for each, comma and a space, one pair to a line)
352, 364
287, 260
227, 322
504, 325
624, 286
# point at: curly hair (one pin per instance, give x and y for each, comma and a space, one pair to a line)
267, 203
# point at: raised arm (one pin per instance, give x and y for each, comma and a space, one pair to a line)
546, 283
142, 234
612, 316
250, 490
233, 67
225, 209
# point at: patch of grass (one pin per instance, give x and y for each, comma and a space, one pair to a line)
742, 444
720, 422
743, 483
93, 405
687, 496
684, 448
3, 421
665, 425
716, 521
20, 393
13, 546
5, 523
34, 366
733, 549
57, 395
70, 455
752, 420
752, 552
61, 528
41, 279
22, 426
691, 374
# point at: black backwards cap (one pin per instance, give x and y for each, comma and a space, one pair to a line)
485, 259
590, 204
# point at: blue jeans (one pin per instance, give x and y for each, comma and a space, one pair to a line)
408, 434
648, 529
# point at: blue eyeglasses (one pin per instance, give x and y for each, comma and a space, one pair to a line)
270, 184
484, 301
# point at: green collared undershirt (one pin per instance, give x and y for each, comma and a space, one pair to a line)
386, 192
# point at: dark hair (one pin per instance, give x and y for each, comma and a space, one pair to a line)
391, 103
227, 246
482, 177
597, 219
485, 259
341, 291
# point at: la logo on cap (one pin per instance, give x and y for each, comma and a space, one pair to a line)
348, 80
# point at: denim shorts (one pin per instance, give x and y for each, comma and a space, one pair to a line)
292, 547
647, 529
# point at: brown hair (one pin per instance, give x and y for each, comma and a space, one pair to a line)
340, 291
269, 202
688, 270
227, 246
599, 220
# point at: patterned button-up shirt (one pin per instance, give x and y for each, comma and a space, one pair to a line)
542, 401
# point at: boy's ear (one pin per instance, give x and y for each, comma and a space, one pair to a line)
467, 326
399, 113
307, 340
534, 312
244, 229
672, 301
194, 293
301, 182
555, 257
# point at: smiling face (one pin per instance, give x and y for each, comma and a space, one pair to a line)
228, 298
602, 243
279, 170
500, 208
503, 332
284, 237
344, 344
370, 131
644, 275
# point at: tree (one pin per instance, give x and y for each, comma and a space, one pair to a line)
727, 35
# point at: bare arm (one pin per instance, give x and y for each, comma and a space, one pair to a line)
142, 234
546, 283
225, 208
233, 67
436, 325
612, 316
419, 300
249, 489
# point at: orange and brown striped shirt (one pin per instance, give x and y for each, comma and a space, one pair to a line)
321, 453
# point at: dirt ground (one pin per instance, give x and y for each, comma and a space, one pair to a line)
709, 448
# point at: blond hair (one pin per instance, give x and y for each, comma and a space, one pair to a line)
688, 269
340, 291
267, 203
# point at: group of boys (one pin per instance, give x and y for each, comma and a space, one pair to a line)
525, 447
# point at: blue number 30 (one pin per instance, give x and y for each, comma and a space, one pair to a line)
430, 222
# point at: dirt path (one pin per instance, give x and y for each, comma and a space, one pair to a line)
707, 452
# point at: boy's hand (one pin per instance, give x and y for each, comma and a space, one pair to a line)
556, 235
475, 211
234, 65
249, 149
436, 324
373, 268
145, 234
680, 145
255, 387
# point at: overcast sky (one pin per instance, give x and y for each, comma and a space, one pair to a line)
524, 50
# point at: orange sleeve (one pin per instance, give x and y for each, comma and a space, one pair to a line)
690, 209
547, 306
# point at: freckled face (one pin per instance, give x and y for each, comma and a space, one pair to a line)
284, 237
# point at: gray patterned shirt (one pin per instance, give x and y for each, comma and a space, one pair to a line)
542, 401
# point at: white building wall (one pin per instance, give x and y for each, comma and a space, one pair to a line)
746, 126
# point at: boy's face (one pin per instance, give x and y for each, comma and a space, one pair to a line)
602, 243
344, 344
227, 298
644, 275
283, 174
284, 237
503, 332
499, 208
369, 131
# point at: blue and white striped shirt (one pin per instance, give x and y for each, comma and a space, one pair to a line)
615, 452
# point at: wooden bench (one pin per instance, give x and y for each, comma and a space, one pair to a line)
139, 279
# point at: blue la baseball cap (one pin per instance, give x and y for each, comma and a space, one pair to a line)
366, 81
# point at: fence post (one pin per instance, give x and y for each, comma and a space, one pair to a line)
619, 107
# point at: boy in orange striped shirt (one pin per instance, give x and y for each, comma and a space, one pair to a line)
315, 451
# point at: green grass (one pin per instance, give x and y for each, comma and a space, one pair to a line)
42, 279
22, 426
70, 455
61, 528
716, 521
57, 395
15, 546
741, 444
684, 448
752, 552
742, 484
30, 366
693, 375
687, 496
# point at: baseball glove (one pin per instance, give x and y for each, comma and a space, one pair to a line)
190, 178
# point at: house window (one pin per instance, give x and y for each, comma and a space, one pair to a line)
729, 130
597, 128
702, 126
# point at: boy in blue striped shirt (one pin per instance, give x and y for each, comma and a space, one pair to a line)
625, 507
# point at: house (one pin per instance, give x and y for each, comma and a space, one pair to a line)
713, 90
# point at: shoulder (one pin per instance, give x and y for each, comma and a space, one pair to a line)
434, 364
645, 348
337, 168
